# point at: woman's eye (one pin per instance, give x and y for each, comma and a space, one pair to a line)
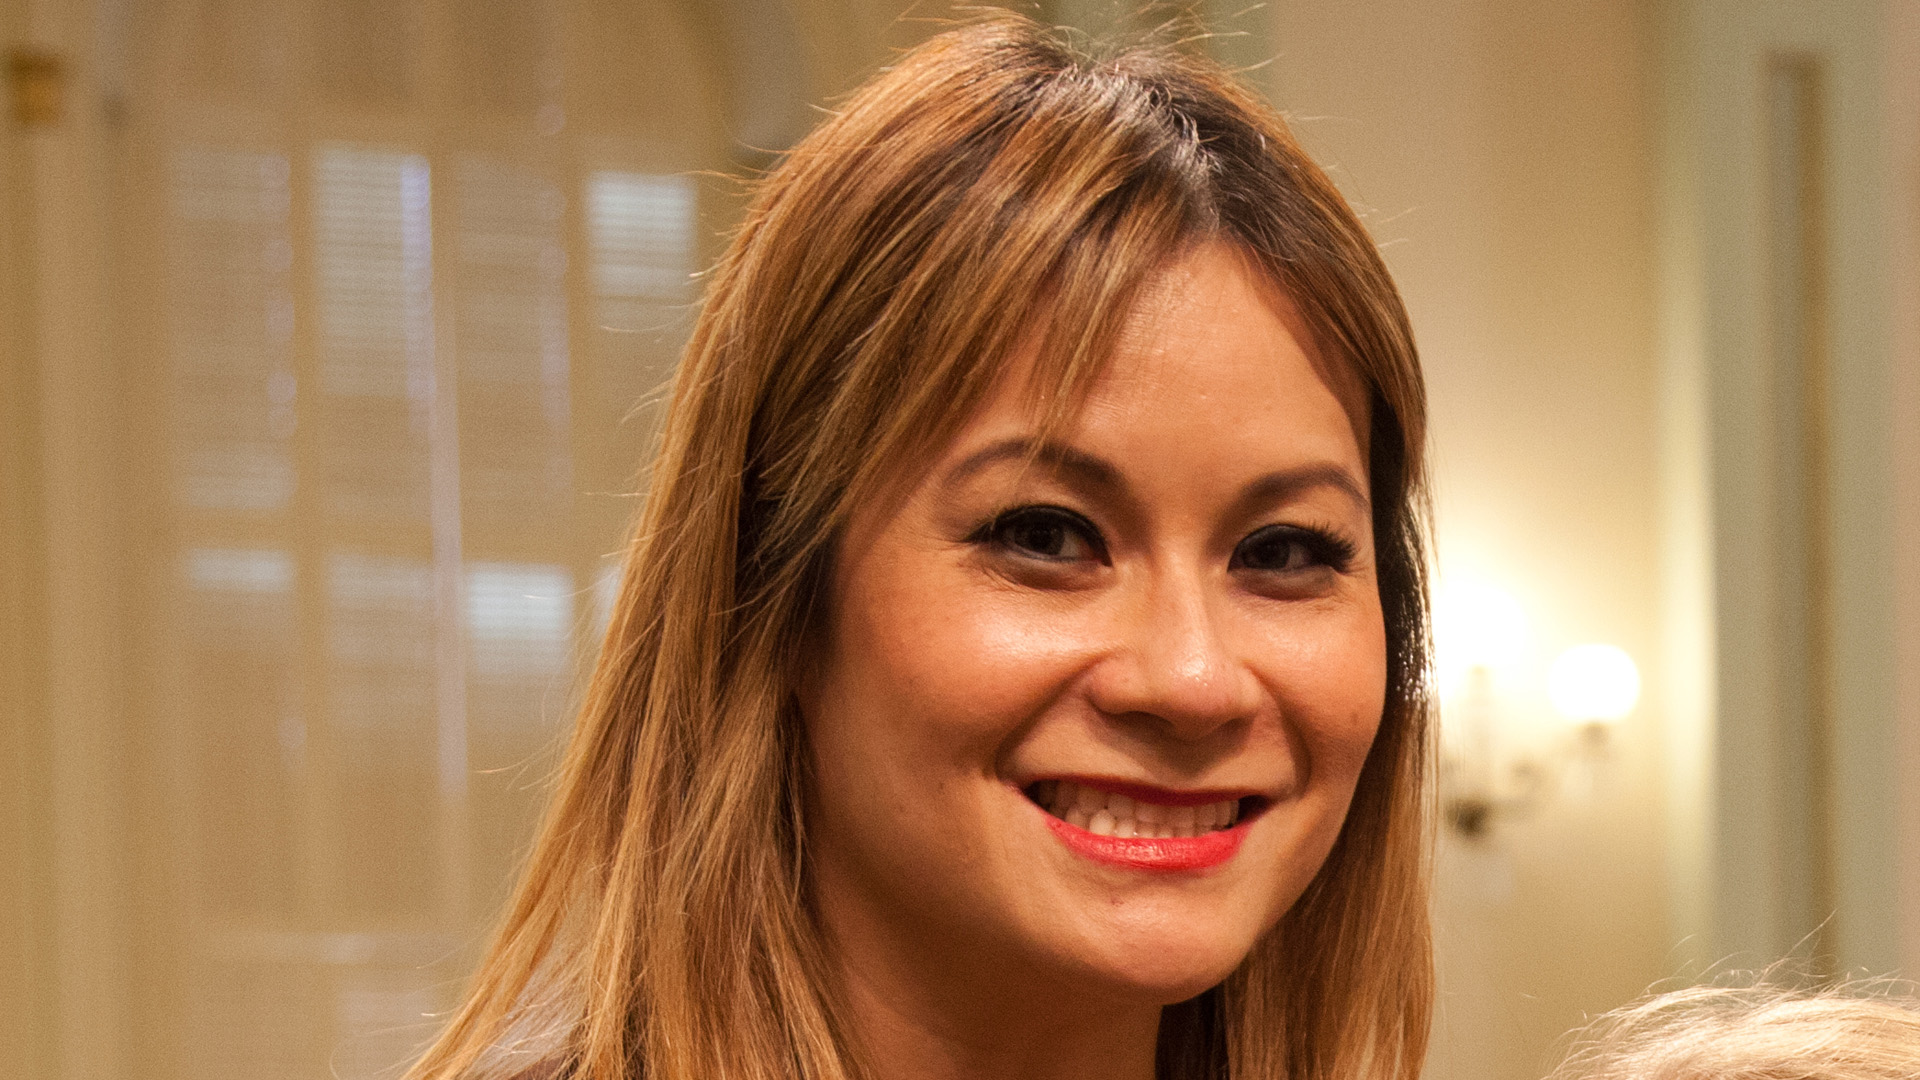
1045, 532
1288, 548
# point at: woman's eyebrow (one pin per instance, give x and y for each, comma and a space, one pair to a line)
1091, 470
1086, 469
1288, 483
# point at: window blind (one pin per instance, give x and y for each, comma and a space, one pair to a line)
409, 277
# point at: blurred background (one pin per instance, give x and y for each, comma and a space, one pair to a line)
329, 331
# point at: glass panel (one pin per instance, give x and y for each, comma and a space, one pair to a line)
380, 646
640, 237
515, 450
388, 468
373, 266
641, 231
519, 624
245, 737
230, 257
519, 634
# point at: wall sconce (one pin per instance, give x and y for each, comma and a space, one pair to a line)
39, 81
1487, 774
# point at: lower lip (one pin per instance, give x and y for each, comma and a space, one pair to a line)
1166, 854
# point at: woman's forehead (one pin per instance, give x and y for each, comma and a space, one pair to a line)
1214, 296
1211, 297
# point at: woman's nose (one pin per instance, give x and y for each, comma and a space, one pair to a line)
1172, 661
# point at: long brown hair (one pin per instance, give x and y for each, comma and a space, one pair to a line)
992, 184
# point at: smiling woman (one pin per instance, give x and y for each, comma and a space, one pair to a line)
1087, 715
1018, 669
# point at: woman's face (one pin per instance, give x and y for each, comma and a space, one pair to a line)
1091, 718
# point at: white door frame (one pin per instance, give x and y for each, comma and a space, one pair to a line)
1737, 796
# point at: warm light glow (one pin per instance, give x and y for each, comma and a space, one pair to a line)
1593, 682
1476, 626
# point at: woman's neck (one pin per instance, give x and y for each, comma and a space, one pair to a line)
969, 1018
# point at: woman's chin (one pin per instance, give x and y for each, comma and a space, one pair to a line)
1162, 984
1159, 941
1161, 968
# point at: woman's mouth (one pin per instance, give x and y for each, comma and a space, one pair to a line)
1145, 828
1150, 815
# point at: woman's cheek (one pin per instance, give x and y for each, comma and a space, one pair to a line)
964, 645
1329, 674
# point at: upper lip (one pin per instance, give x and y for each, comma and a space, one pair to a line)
1152, 793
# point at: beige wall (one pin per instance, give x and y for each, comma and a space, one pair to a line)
1502, 153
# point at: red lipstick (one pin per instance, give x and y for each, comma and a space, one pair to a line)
1173, 853
1201, 837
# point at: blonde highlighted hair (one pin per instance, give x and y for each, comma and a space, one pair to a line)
1757, 1032
991, 185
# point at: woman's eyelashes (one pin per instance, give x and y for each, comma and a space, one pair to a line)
1287, 549
1049, 534
1055, 536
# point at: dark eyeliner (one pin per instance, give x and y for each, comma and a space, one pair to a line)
994, 532
1326, 547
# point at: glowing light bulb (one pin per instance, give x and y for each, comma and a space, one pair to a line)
1476, 626
1590, 683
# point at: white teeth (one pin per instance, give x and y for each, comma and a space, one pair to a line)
1108, 814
